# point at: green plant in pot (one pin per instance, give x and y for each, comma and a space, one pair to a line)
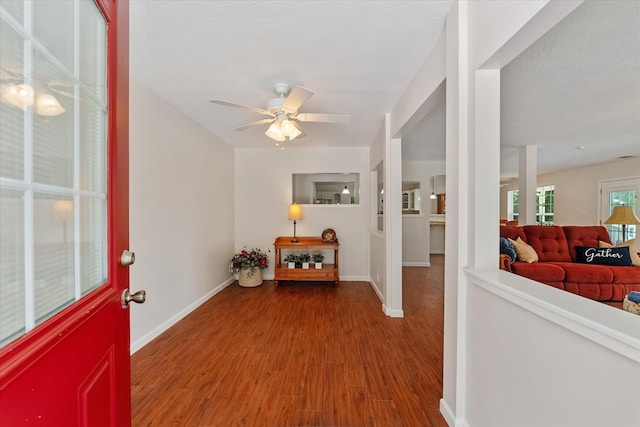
305, 258
248, 265
317, 259
291, 260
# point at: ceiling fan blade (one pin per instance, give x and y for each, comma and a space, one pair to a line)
244, 107
298, 96
256, 123
325, 118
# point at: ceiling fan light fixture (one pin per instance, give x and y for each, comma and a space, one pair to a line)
287, 128
274, 132
296, 130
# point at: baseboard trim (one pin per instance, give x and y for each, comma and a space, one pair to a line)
448, 415
391, 312
417, 264
146, 339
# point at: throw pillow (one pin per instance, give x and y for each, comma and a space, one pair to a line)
603, 256
633, 249
507, 248
525, 252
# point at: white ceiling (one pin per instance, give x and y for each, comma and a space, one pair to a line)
577, 86
357, 56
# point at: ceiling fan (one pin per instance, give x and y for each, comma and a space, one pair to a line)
283, 113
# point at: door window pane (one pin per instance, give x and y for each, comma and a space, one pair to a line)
54, 264
53, 23
622, 198
52, 135
93, 51
93, 244
12, 309
92, 146
11, 116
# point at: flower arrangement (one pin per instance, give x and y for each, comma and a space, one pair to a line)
248, 260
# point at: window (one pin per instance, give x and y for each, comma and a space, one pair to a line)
53, 110
544, 205
619, 193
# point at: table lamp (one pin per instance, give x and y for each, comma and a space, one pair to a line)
295, 213
623, 215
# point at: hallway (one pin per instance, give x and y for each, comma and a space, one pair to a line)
302, 354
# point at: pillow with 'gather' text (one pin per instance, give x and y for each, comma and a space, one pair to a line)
603, 256
525, 252
633, 249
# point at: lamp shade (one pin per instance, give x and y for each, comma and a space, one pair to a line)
623, 215
295, 211
274, 132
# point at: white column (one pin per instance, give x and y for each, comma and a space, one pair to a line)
487, 169
528, 172
393, 224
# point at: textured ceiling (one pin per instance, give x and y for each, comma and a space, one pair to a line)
357, 56
576, 86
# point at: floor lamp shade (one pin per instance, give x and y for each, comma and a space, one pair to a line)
623, 215
295, 213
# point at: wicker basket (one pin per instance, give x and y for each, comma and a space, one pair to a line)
250, 277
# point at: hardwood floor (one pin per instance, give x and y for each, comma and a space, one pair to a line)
303, 354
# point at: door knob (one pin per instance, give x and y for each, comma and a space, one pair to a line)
139, 297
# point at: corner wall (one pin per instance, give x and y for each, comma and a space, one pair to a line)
181, 213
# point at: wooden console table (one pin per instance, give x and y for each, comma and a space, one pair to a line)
329, 272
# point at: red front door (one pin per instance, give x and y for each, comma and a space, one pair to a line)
64, 223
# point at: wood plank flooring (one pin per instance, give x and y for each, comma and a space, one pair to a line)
303, 354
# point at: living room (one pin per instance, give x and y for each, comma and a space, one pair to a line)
258, 184
515, 351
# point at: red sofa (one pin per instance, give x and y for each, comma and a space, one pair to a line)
556, 266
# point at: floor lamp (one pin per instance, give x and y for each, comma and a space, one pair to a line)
624, 216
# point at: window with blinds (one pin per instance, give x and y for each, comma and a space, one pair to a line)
53, 125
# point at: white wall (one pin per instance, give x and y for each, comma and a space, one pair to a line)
181, 213
377, 255
417, 242
263, 194
576, 190
539, 356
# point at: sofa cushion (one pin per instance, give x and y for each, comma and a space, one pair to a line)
540, 272
587, 273
597, 291
549, 242
633, 249
626, 275
525, 252
510, 232
589, 235
603, 256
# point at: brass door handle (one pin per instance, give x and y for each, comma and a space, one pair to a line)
139, 297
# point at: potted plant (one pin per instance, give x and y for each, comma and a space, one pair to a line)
317, 259
305, 258
248, 265
290, 259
